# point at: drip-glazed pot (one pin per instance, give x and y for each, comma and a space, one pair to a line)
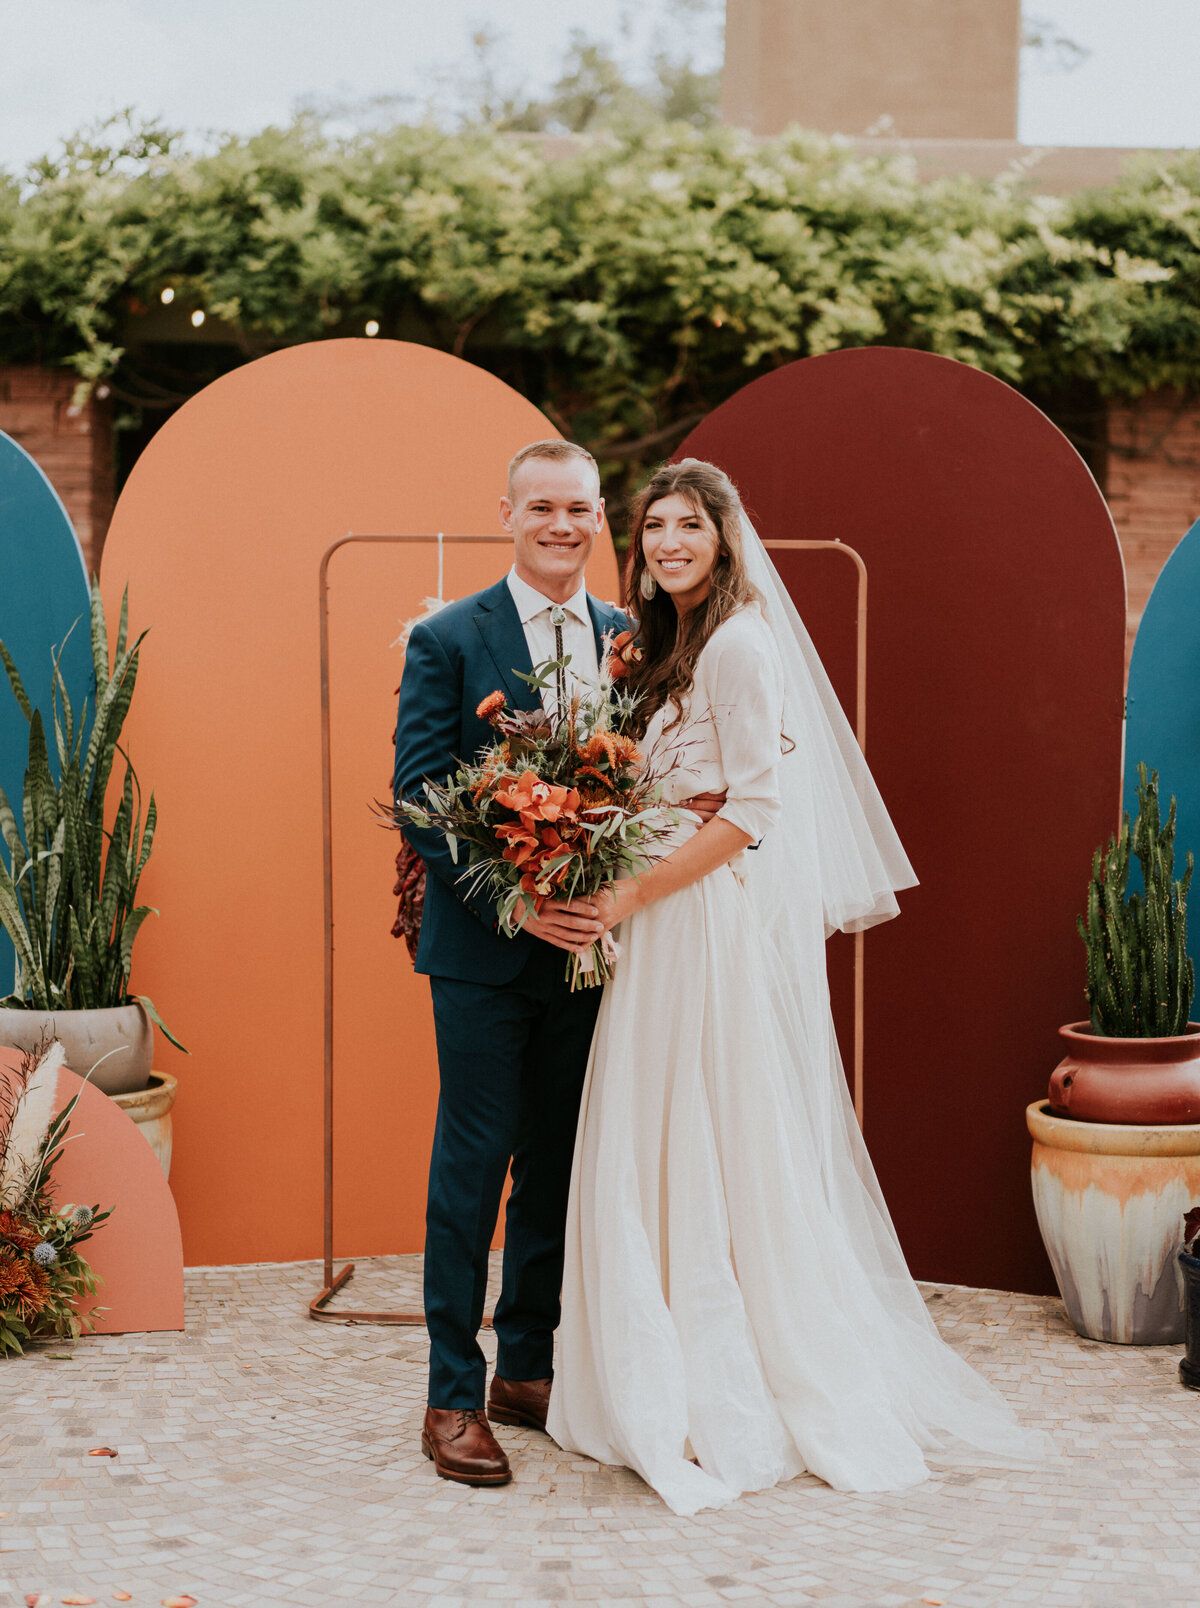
1110, 1201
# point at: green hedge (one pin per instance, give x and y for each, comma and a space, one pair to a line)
626, 287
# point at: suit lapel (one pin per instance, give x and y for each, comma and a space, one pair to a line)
500, 627
604, 620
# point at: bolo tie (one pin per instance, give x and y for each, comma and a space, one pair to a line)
557, 620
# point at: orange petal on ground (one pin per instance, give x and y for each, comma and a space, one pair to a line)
122, 1596
37, 1599
179, 1602
77, 1599
101, 1451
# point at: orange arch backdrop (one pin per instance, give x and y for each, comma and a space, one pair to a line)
219, 532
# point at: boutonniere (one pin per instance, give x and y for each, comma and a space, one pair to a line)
622, 653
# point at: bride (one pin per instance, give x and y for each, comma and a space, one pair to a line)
736, 1306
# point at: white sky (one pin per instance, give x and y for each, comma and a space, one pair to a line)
240, 64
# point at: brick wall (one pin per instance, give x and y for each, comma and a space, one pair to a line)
73, 446
1152, 482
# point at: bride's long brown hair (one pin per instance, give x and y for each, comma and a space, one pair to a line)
671, 646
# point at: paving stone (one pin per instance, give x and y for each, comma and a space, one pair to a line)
265, 1459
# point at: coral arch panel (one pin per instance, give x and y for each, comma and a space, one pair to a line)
995, 648
220, 530
1164, 701
137, 1253
44, 593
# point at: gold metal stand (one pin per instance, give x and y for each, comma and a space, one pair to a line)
318, 1306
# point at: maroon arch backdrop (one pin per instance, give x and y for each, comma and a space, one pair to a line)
994, 682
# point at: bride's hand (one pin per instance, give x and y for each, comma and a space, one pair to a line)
614, 904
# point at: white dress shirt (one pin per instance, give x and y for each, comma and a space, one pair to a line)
579, 639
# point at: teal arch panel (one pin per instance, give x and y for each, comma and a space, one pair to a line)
1163, 712
43, 592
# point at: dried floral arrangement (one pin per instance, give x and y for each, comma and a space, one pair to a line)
43, 1276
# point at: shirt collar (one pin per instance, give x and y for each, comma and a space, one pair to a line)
531, 602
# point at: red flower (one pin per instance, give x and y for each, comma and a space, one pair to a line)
491, 706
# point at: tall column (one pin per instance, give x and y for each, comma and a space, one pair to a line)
915, 69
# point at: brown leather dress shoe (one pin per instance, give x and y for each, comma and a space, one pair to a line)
462, 1447
519, 1401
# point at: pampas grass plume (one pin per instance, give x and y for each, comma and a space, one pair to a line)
31, 1119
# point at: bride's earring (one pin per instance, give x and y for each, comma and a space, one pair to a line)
647, 586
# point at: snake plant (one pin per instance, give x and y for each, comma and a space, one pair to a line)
68, 894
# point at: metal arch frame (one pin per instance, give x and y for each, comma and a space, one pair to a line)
317, 1307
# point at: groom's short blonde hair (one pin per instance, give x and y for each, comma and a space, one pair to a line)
557, 451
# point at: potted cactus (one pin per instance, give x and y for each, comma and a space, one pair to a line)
68, 892
1116, 1155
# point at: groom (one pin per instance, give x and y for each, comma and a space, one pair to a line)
512, 1040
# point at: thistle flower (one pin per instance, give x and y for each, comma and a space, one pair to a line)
81, 1216
44, 1254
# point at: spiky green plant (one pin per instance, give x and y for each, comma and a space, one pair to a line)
1140, 979
68, 895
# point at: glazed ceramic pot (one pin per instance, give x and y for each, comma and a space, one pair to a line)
1189, 1365
1110, 1200
1127, 1080
116, 1046
150, 1108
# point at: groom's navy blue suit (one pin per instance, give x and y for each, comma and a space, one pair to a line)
512, 1040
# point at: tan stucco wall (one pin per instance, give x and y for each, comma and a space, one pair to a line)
939, 69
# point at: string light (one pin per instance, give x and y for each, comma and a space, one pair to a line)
168, 295
372, 326
197, 319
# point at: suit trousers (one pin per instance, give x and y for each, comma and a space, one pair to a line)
511, 1063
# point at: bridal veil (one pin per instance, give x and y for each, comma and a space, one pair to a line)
834, 861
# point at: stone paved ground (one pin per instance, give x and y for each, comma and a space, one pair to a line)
267, 1459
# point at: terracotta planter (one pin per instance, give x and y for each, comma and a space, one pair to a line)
1128, 1080
1110, 1199
150, 1108
118, 1043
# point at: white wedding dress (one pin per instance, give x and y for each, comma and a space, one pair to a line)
734, 1292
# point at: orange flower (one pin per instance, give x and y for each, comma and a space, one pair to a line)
491, 705
535, 800
623, 652
17, 1231
619, 751
521, 840
23, 1285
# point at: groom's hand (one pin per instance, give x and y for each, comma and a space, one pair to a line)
566, 923
705, 805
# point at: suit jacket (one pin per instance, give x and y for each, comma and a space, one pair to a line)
454, 660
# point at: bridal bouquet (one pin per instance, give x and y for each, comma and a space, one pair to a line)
43, 1277
560, 806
